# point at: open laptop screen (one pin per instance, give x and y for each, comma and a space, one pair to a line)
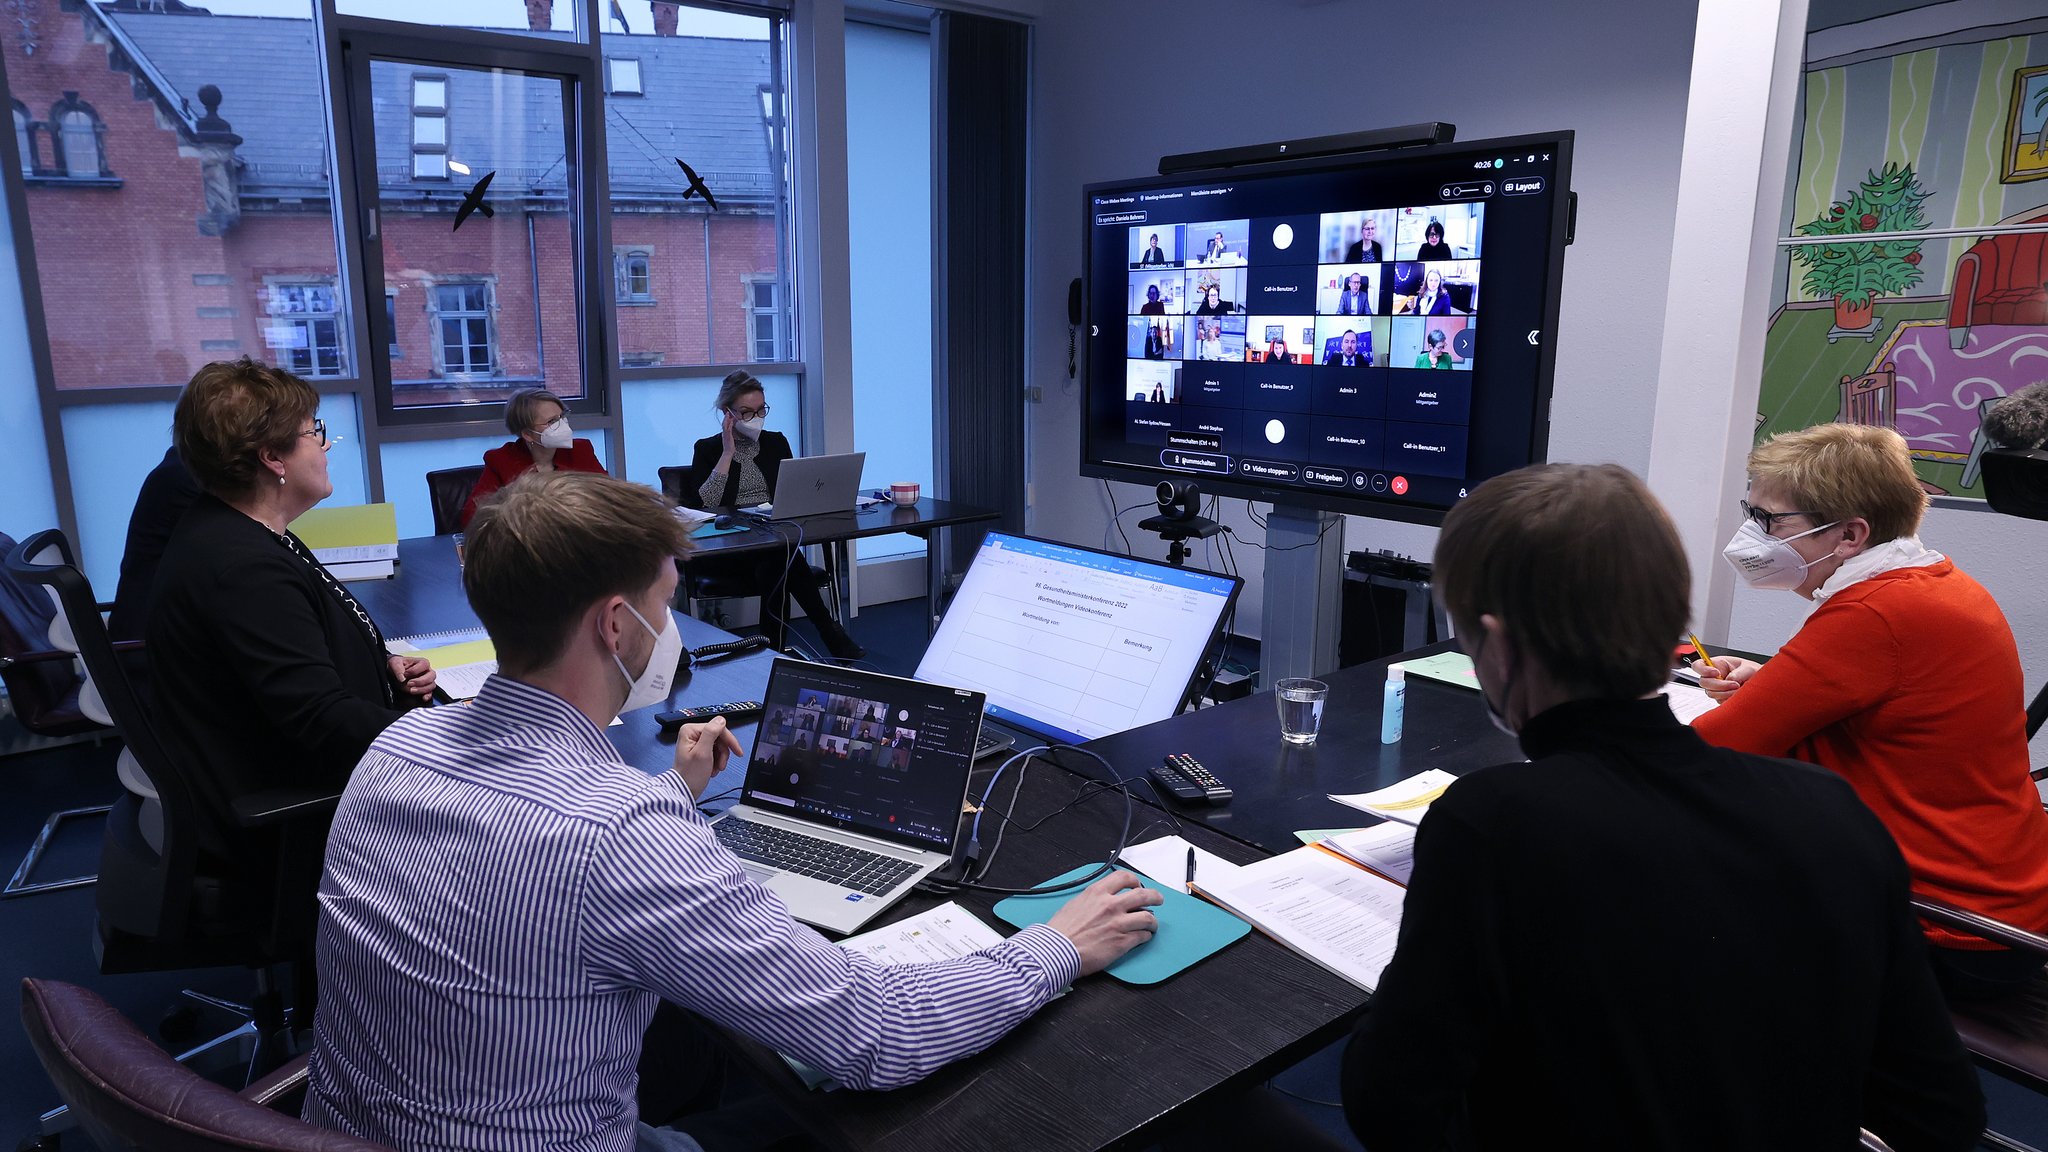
871, 753
1073, 643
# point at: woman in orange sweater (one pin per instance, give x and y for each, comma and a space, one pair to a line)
1905, 680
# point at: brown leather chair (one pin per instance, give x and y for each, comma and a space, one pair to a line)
127, 1093
448, 491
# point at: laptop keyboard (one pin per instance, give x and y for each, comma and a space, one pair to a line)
988, 742
834, 863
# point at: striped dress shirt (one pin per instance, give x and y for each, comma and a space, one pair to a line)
506, 900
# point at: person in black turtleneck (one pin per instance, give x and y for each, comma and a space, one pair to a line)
1637, 940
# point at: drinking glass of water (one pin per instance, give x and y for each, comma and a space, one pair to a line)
1301, 708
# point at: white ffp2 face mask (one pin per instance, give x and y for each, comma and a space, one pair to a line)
558, 436
654, 682
751, 429
1767, 561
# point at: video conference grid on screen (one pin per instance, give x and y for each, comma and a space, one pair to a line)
1339, 350
890, 762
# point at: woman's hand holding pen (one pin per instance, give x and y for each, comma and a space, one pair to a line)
1720, 677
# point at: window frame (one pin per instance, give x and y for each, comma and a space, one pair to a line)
59, 167
488, 314
26, 129
417, 112
775, 314
274, 286
623, 256
611, 76
338, 39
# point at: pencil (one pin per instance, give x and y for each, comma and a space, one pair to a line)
1702, 650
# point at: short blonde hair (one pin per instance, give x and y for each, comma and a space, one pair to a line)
523, 407
1843, 471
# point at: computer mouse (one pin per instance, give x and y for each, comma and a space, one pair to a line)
726, 520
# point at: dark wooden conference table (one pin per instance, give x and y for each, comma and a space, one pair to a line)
929, 520
1107, 1065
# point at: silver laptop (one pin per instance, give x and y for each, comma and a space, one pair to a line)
854, 789
813, 485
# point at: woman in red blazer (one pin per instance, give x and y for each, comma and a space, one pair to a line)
543, 440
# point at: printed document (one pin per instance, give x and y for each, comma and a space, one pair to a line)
1407, 801
1329, 910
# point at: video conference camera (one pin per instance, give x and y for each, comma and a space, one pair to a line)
1178, 521
2016, 471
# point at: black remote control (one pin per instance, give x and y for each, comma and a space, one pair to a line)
734, 712
1184, 776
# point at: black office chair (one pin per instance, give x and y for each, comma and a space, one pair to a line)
49, 699
192, 888
448, 491
2007, 1036
709, 579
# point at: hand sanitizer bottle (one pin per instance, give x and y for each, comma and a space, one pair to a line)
1393, 704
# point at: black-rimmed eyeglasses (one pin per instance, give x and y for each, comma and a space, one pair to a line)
318, 431
1768, 521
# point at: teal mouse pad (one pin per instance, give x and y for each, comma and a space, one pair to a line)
708, 528
1190, 929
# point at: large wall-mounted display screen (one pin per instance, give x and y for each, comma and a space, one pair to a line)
1365, 335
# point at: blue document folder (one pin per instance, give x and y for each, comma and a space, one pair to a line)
1190, 929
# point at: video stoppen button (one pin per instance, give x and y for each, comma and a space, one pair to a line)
1196, 461
1194, 441
1269, 470
1328, 477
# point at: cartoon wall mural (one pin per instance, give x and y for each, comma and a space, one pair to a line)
1940, 134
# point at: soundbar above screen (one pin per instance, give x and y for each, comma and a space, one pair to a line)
1368, 335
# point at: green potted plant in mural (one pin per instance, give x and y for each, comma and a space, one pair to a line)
1856, 272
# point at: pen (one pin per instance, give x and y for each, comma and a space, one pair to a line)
1702, 650
1191, 869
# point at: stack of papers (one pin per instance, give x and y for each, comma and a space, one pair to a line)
354, 541
1689, 702
1318, 905
1449, 667
944, 933
1388, 849
947, 932
1407, 801
461, 669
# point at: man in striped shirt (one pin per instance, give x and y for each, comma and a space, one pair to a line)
506, 901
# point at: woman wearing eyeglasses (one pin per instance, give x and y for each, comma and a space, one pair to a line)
736, 469
267, 672
542, 442
1904, 679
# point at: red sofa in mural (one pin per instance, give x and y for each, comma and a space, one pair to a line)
2001, 280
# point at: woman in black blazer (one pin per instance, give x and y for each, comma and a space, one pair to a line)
737, 469
268, 673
